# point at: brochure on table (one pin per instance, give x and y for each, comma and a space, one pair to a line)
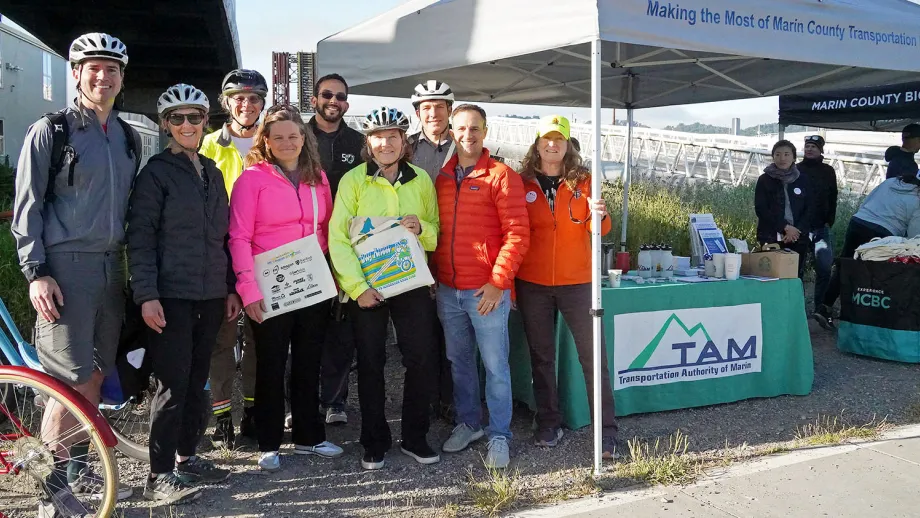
705, 237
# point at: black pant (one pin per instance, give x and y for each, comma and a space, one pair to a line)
414, 317
859, 232
180, 359
538, 305
338, 353
304, 330
445, 394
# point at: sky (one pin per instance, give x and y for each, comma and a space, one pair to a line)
265, 26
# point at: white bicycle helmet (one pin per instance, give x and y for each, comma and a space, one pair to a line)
384, 118
98, 45
182, 96
432, 90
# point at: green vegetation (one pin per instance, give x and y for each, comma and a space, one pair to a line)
498, 491
664, 462
829, 430
752, 131
13, 288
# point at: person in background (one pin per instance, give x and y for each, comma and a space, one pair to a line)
339, 151
180, 274
69, 232
823, 180
242, 96
432, 147
485, 233
387, 185
785, 204
891, 209
556, 274
902, 159
273, 204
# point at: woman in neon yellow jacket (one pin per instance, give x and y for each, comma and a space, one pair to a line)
388, 185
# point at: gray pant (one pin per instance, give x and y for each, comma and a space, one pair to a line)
223, 367
538, 305
86, 336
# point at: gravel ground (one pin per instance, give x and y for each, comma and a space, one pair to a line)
862, 389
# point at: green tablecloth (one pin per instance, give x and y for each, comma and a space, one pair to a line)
666, 340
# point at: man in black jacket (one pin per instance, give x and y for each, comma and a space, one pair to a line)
824, 184
901, 160
339, 151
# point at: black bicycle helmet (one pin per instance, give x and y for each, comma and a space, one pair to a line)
242, 80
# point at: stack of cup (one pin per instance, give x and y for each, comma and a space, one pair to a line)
614, 276
718, 261
732, 266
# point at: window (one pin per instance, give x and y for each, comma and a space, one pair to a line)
2, 143
47, 87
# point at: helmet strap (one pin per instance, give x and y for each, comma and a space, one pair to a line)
242, 126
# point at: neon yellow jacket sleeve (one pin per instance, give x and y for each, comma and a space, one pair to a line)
345, 263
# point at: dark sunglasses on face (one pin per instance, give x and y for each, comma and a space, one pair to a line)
327, 95
283, 107
177, 119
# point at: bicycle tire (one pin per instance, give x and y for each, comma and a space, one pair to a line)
100, 437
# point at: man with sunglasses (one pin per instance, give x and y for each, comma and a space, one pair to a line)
242, 96
339, 152
68, 222
824, 182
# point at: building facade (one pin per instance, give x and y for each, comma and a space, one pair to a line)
33, 81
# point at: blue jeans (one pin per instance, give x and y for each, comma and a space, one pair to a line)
824, 260
464, 329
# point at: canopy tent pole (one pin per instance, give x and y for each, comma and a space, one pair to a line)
597, 311
782, 131
627, 174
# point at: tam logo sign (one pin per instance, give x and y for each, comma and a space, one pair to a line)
658, 347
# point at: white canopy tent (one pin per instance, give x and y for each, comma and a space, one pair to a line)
626, 54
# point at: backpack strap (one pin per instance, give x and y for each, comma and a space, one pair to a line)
133, 141
60, 137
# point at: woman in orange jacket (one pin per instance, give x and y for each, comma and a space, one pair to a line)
556, 273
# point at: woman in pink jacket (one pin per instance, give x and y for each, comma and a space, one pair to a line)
272, 206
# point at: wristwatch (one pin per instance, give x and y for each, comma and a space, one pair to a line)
34, 272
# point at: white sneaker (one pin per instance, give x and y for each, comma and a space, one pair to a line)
498, 456
288, 422
461, 437
324, 449
269, 461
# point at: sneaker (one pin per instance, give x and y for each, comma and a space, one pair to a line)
248, 423
372, 461
269, 461
461, 437
324, 449
336, 416
547, 437
288, 422
168, 489
223, 435
422, 453
90, 484
823, 315
610, 448
62, 505
197, 471
499, 455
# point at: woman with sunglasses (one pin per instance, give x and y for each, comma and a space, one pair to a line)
281, 197
387, 185
181, 277
556, 274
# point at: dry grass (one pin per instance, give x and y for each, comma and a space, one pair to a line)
827, 430
499, 491
664, 462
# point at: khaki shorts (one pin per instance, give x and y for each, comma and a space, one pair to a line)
85, 338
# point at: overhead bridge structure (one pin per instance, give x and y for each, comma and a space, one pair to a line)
169, 41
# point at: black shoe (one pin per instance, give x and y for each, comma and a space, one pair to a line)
823, 316
422, 453
197, 470
248, 424
611, 448
223, 435
167, 488
373, 461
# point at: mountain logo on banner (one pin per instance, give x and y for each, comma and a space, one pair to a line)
660, 347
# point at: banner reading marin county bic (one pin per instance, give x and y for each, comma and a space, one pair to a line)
658, 347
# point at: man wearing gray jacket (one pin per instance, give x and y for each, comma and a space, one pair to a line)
68, 221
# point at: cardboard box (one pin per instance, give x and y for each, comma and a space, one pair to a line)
771, 262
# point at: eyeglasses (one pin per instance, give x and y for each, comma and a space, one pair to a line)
327, 95
290, 108
178, 119
251, 99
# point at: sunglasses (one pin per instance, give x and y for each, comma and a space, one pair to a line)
290, 108
178, 119
340, 97
813, 138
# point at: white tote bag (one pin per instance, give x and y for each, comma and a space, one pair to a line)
391, 257
294, 275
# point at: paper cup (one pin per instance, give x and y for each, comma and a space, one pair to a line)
732, 266
614, 276
719, 261
709, 268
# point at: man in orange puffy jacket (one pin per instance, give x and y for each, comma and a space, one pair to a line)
485, 233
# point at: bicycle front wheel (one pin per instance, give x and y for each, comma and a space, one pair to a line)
29, 478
